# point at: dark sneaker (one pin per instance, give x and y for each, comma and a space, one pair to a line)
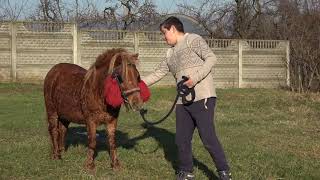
182, 175
224, 175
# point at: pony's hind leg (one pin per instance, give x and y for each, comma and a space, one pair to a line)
63, 127
111, 130
54, 134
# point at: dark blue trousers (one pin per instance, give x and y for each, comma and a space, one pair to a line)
199, 114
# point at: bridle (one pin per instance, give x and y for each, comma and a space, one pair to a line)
125, 93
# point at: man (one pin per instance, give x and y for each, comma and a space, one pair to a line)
191, 56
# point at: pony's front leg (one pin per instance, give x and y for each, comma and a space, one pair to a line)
111, 127
54, 134
91, 128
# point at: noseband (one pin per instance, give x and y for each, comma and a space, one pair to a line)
115, 91
124, 93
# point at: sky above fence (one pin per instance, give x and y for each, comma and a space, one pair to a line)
163, 6
26, 8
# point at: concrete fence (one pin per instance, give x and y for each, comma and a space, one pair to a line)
29, 49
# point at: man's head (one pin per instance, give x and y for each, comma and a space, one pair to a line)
172, 28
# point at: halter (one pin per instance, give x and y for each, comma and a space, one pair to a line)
124, 93
118, 78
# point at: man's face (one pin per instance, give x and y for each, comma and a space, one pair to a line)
169, 35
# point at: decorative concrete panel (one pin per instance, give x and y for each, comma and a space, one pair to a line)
5, 57
5, 73
29, 49
40, 59
264, 59
260, 72
25, 41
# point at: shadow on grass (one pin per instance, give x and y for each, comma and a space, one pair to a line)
166, 140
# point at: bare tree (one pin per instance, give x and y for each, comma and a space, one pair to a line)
237, 19
11, 10
116, 14
299, 22
295, 20
147, 15
249, 18
131, 14
85, 13
210, 14
51, 10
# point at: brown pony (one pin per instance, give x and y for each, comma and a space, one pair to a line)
73, 94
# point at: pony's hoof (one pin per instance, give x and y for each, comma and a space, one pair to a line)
62, 150
56, 156
116, 166
90, 168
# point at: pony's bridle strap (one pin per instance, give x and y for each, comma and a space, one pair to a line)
137, 89
124, 94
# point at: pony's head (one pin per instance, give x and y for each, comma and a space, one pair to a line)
123, 70
126, 78
115, 74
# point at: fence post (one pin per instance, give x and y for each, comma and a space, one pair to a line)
288, 63
75, 43
136, 46
136, 42
240, 63
13, 29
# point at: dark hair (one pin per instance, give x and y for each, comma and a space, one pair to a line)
172, 21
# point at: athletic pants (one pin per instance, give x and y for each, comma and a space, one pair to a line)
199, 114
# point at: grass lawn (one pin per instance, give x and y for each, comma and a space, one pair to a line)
266, 134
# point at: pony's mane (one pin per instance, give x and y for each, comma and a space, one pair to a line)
109, 57
106, 57
101, 60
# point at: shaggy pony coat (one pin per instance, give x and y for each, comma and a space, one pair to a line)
73, 94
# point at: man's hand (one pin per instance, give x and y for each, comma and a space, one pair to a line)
189, 83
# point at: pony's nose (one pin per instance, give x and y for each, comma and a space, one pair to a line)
137, 106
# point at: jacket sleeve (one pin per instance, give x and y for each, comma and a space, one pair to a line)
202, 49
159, 72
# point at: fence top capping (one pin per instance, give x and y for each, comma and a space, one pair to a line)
266, 40
29, 21
106, 30
127, 31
